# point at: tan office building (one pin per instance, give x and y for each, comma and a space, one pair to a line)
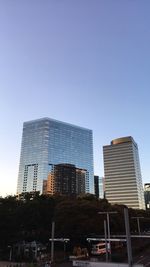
123, 181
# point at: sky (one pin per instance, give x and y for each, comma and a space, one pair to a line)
85, 62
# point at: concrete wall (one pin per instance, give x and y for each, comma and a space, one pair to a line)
78, 263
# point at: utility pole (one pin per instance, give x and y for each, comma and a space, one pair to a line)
128, 236
52, 241
108, 226
10, 253
106, 245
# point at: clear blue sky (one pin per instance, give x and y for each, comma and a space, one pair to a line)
86, 62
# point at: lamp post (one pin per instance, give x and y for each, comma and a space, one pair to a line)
52, 241
106, 245
108, 225
128, 236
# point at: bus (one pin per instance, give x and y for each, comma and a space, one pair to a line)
98, 249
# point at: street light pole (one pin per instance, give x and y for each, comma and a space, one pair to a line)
105, 233
52, 241
108, 225
138, 223
65, 244
128, 236
10, 253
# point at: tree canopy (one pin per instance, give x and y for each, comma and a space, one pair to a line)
31, 218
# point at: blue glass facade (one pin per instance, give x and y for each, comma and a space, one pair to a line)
46, 142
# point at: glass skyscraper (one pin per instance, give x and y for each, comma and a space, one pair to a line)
123, 181
46, 142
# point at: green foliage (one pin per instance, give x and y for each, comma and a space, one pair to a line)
30, 219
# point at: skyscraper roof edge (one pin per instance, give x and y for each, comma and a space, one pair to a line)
50, 119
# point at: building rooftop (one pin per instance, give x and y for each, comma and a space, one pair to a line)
49, 119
